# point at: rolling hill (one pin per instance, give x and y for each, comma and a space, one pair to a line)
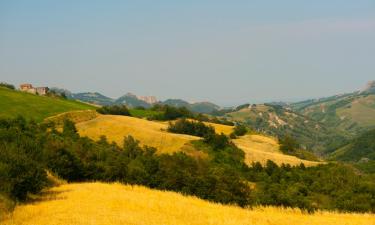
256, 147
351, 113
278, 121
77, 204
361, 148
150, 133
259, 148
13, 103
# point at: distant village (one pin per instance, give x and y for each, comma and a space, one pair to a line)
34, 90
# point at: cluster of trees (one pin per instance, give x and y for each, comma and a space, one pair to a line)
239, 130
114, 110
290, 146
170, 112
184, 126
328, 187
28, 150
6, 85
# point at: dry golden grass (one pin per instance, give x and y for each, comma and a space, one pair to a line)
220, 128
75, 116
147, 132
260, 148
99, 203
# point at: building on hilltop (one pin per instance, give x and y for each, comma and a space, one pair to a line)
34, 90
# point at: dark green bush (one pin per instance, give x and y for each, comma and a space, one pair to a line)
114, 110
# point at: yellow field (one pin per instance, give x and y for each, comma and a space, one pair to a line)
260, 148
75, 116
147, 132
220, 128
99, 203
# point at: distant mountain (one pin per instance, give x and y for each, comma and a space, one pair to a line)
279, 121
176, 103
369, 89
351, 113
204, 107
199, 107
132, 101
93, 97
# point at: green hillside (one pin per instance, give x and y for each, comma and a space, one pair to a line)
14, 103
361, 148
350, 113
279, 121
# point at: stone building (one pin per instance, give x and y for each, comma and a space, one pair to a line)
34, 90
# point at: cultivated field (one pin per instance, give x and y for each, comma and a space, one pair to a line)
147, 132
260, 148
99, 203
220, 128
75, 116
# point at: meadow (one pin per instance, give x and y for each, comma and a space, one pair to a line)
102, 203
13, 103
259, 148
149, 133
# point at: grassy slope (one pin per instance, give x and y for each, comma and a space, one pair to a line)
13, 103
260, 148
277, 121
151, 133
351, 113
98, 203
147, 132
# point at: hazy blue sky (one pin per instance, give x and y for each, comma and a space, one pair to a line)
228, 52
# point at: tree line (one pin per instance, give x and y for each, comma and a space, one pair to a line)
29, 149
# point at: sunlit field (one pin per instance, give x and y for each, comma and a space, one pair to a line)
99, 203
260, 148
149, 133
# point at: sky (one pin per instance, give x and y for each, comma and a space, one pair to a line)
227, 52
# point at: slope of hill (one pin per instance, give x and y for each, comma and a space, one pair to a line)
76, 204
131, 100
13, 103
198, 107
351, 113
279, 121
150, 133
93, 97
360, 148
259, 148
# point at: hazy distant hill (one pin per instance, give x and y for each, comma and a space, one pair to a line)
278, 121
93, 97
352, 113
131, 100
200, 107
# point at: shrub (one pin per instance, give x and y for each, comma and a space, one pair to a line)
114, 110
6, 85
183, 126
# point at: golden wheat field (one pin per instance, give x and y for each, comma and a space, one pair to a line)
100, 203
260, 148
220, 128
75, 116
147, 132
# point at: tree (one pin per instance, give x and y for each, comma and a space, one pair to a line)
69, 129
